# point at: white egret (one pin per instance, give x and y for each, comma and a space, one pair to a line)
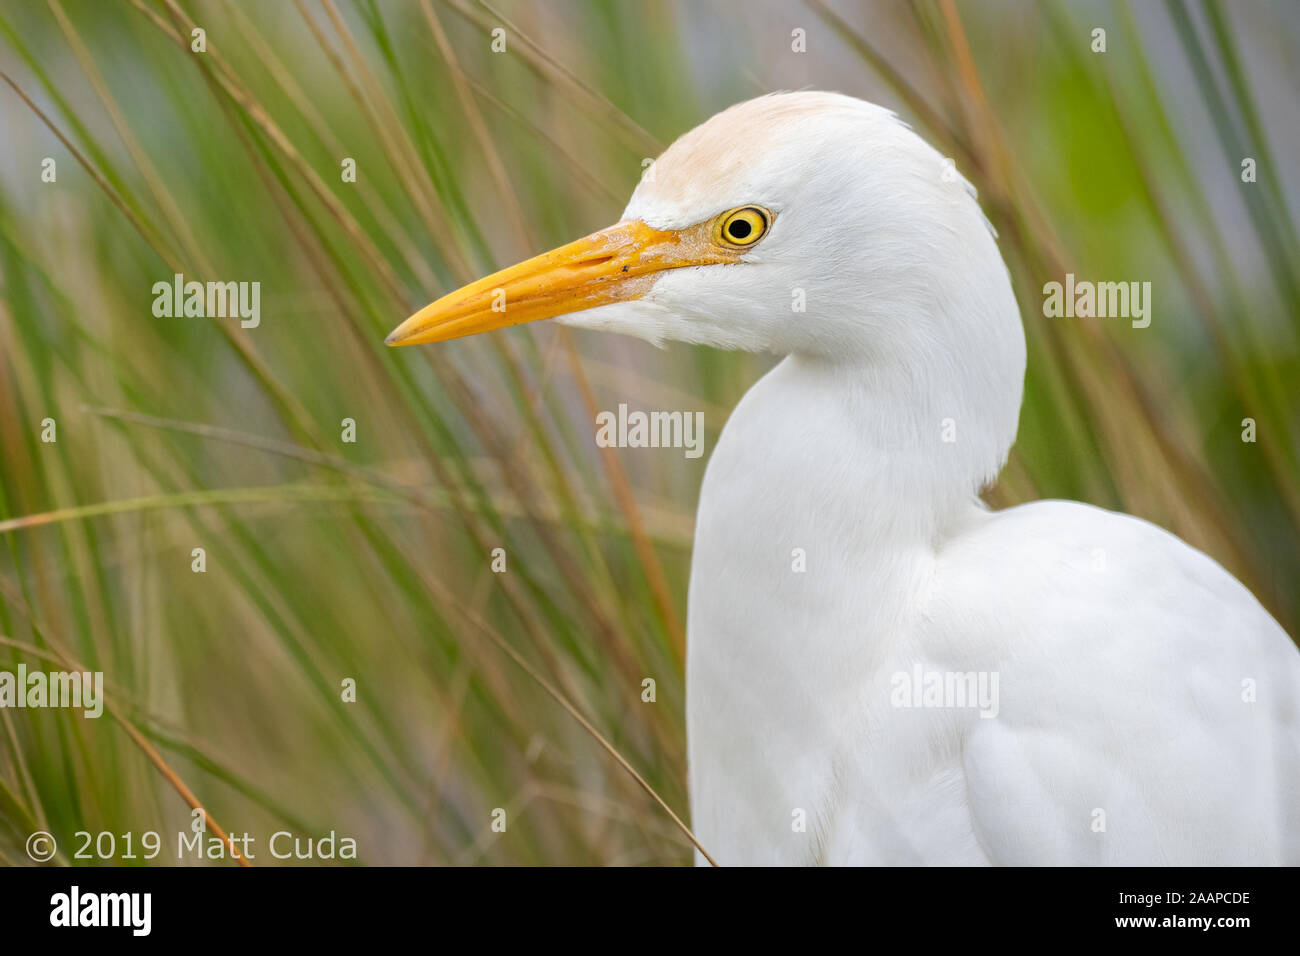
880, 669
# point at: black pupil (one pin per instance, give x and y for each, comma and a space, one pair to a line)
740, 229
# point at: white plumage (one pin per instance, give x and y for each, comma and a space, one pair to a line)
1122, 735
1146, 704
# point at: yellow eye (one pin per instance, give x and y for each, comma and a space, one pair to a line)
743, 226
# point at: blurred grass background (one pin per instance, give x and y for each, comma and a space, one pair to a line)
328, 560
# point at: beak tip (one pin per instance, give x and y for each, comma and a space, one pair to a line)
392, 338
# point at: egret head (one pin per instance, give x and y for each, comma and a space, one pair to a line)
797, 223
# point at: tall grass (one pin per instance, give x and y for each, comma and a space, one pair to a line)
372, 561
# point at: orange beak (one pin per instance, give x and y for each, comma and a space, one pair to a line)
613, 265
